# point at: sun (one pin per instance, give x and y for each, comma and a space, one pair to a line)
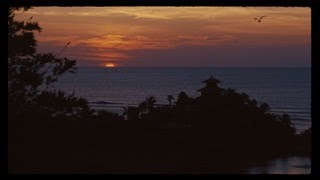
110, 65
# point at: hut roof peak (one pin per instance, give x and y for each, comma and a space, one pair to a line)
211, 80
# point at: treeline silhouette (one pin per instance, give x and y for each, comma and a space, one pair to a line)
52, 131
224, 134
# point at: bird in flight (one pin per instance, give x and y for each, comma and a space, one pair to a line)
259, 19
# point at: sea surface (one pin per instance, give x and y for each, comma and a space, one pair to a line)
286, 90
288, 165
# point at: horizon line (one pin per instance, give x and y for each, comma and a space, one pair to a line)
198, 66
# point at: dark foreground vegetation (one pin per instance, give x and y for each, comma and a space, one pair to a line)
221, 131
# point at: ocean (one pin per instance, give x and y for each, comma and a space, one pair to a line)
286, 90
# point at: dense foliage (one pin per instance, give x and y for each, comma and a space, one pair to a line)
52, 131
31, 74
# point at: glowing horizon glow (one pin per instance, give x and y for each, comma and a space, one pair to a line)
176, 36
110, 65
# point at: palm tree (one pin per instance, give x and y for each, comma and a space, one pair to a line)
147, 104
142, 107
150, 102
170, 98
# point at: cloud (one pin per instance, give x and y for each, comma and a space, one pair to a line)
172, 13
131, 42
117, 47
127, 33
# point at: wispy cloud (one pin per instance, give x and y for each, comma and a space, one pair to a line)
117, 47
114, 33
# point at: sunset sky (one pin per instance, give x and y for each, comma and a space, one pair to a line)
176, 36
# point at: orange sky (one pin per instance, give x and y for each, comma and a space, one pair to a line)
176, 36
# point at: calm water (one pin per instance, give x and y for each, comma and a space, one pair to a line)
284, 89
290, 165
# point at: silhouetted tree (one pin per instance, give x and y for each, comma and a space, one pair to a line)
131, 113
18, 32
151, 101
264, 107
170, 98
147, 105
183, 100
31, 75
58, 104
306, 139
211, 130
285, 122
142, 108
